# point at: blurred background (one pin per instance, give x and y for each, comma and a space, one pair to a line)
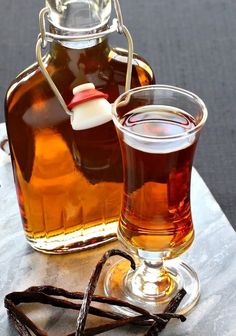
189, 43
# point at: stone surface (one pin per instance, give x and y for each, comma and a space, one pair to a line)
212, 255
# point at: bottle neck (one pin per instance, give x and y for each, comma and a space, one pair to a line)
83, 44
78, 17
79, 14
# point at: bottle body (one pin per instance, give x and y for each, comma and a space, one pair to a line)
69, 183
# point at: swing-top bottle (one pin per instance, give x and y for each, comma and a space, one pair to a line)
69, 181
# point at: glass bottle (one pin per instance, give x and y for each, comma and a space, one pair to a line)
69, 182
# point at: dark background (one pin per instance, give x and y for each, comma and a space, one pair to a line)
189, 43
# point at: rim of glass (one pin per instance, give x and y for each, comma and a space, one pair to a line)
161, 87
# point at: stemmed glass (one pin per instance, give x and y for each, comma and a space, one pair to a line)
158, 128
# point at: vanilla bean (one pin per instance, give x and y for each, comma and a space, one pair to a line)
51, 290
22, 319
50, 295
92, 285
81, 321
130, 320
169, 316
95, 298
31, 296
40, 297
37, 295
22, 330
113, 325
170, 308
175, 302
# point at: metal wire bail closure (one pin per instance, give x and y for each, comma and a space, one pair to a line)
47, 37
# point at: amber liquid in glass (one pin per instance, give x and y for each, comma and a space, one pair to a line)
156, 212
69, 183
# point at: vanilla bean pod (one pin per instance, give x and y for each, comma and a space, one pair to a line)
22, 330
92, 285
35, 294
38, 294
81, 321
159, 321
95, 298
30, 296
101, 299
129, 320
113, 325
21, 320
49, 295
170, 308
175, 302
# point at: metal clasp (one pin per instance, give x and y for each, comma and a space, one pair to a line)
46, 37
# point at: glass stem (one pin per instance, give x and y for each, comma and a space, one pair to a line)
150, 279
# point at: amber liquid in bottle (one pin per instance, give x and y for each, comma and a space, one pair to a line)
69, 183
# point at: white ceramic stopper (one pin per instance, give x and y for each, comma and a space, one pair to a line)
92, 113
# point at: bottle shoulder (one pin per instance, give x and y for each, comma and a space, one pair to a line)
140, 64
21, 83
106, 71
23, 76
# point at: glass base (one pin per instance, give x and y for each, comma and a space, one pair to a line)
151, 289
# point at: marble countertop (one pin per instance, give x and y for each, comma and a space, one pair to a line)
212, 255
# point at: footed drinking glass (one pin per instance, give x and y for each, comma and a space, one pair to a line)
158, 128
